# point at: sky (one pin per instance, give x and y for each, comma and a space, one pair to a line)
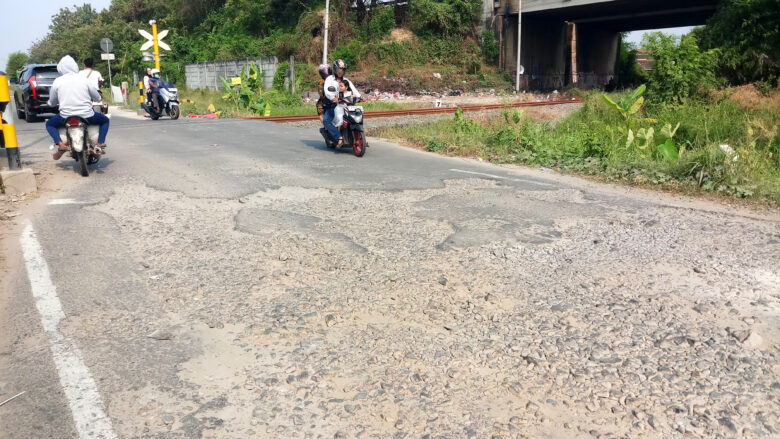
29, 22
636, 37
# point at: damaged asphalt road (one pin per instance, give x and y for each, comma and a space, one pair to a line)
233, 279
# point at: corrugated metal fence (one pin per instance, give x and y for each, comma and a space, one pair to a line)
208, 74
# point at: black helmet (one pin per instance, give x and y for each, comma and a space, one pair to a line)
339, 68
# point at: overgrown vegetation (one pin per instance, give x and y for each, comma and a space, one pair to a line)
681, 70
719, 146
360, 32
746, 35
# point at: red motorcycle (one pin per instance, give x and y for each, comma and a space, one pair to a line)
351, 128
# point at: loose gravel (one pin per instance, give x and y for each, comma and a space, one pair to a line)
474, 310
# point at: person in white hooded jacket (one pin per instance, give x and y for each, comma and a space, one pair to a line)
74, 95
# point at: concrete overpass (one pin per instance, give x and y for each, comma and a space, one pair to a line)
566, 42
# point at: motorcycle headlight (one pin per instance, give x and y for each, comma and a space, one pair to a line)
358, 118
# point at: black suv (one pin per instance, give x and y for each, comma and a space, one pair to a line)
32, 92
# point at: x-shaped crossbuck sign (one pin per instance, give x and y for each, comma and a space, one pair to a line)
150, 43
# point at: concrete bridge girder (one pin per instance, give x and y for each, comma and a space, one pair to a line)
551, 28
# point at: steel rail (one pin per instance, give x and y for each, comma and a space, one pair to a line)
420, 111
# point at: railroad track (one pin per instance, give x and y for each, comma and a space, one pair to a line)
421, 111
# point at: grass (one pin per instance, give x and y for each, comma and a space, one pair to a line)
591, 142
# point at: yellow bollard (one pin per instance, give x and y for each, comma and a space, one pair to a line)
140, 92
7, 128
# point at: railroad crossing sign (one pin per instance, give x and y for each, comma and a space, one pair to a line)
154, 39
150, 39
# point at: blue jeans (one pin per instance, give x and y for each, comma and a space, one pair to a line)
328, 121
57, 121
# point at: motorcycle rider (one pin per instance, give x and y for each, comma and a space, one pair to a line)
147, 89
155, 83
334, 86
324, 71
90, 73
74, 94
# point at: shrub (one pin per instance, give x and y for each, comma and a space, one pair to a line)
748, 36
382, 23
444, 17
681, 70
489, 47
349, 53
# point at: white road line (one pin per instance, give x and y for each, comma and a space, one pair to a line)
60, 201
80, 389
502, 178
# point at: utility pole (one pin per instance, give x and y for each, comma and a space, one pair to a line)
519, 41
325, 46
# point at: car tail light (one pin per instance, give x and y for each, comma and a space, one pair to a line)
73, 122
34, 86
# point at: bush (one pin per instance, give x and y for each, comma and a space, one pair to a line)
382, 23
681, 70
748, 36
349, 53
444, 17
489, 47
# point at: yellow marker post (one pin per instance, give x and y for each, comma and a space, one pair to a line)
8, 130
156, 46
140, 92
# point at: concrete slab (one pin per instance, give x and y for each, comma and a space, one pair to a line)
17, 182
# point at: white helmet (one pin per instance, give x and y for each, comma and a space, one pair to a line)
155, 71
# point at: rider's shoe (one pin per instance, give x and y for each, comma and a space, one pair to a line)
58, 154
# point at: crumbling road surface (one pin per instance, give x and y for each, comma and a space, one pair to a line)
235, 279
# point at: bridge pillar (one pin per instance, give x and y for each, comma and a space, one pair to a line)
543, 51
597, 51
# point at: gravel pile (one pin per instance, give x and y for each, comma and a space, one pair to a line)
553, 315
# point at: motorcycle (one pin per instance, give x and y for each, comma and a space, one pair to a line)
351, 128
102, 106
81, 138
168, 101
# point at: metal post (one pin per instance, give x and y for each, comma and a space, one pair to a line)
156, 46
7, 128
292, 73
519, 41
325, 45
110, 83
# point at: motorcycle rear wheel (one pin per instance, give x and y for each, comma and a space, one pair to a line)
82, 157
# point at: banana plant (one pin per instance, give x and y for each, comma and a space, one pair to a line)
669, 149
629, 106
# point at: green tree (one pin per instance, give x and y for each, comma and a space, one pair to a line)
444, 17
15, 63
747, 34
630, 74
681, 69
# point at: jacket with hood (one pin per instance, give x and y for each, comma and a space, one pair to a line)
72, 92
